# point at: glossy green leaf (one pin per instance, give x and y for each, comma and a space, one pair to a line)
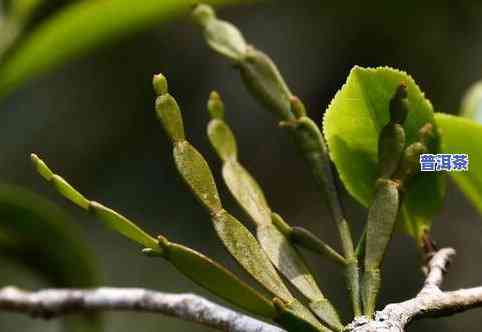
111, 218
352, 125
38, 234
81, 27
461, 135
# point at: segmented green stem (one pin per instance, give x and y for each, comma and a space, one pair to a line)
266, 84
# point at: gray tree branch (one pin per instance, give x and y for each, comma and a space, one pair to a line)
430, 301
50, 303
436, 269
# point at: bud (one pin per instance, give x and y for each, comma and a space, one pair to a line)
410, 162
222, 36
390, 149
203, 13
215, 106
399, 105
159, 82
41, 168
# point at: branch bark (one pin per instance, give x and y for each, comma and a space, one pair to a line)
430, 301
50, 303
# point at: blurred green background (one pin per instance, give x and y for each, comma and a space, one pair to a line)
93, 121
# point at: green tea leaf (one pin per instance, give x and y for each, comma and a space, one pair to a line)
78, 29
352, 126
38, 234
460, 135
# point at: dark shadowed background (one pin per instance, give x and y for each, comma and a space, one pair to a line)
93, 121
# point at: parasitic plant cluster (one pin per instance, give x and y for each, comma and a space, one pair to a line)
397, 125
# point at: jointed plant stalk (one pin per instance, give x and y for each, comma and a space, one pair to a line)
264, 81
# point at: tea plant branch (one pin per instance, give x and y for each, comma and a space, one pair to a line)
52, 303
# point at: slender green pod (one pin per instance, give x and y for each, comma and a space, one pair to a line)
199, 268
274, 242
